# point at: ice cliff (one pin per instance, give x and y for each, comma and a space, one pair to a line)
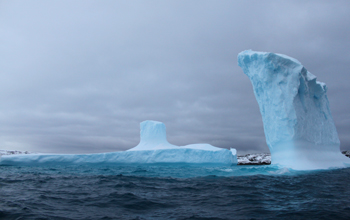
298, 124
153, 148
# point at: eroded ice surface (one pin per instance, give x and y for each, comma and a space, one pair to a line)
153, 148
298, 124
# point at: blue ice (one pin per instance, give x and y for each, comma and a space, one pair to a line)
153, 148
298, 123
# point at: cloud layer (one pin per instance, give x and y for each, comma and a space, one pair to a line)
79, 77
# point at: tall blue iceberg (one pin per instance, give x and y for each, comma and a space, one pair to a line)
298, 124
153, 148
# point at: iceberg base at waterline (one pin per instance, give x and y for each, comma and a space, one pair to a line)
153, 148
303, 155
182, 155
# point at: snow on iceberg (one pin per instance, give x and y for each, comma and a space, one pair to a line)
153, 148
298, 124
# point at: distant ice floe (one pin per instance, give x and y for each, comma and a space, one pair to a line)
13, 152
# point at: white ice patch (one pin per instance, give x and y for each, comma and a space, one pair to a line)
280, 171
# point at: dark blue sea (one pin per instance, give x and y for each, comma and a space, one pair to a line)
172, 192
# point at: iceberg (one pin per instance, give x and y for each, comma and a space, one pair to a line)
153, 148
153, 137
298, 124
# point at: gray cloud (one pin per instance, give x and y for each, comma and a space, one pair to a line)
80, 76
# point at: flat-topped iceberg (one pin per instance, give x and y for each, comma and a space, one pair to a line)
153, 137
298, 124
153, 148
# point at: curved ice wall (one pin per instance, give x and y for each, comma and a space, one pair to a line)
298, 124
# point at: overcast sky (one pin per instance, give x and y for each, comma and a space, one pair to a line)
79, 76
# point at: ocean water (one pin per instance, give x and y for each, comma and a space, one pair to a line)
172, 192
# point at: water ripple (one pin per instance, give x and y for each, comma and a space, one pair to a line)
152, 192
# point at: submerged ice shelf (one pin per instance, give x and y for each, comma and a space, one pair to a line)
298, 124
153, 148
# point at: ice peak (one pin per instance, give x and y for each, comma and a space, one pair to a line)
153, 131
298, 124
